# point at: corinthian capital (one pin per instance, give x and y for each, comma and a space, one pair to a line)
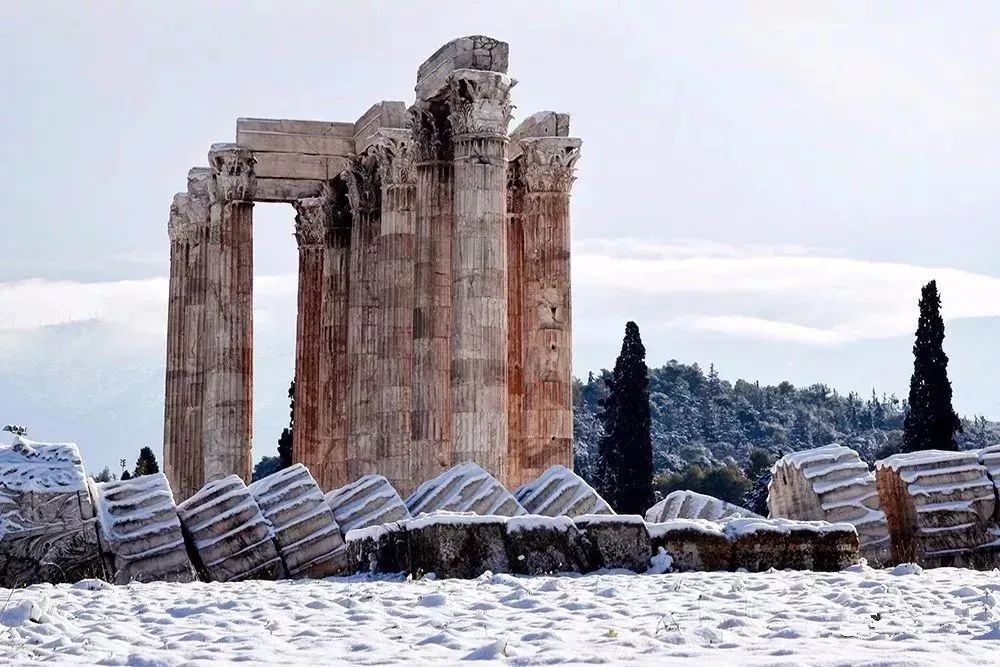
188, 214
547, 164
364, 187
234, 172
479, 102
393, 151
431, 131
313, 218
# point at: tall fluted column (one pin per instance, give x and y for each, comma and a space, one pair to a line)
393, 150
546, 166
430, 418
228, 403
365, 195
332, 472
480, 111
515, 323
182, 233
312, 227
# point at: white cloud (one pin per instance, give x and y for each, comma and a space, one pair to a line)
791, 294
797, 294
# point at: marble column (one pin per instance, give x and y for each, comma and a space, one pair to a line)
394, 383
228, 401
479, 103
515, 327
430, 418
546, 167
312, 228
365, 194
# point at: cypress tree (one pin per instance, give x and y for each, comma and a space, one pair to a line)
146, 463
286, 440
931, 422
625, 449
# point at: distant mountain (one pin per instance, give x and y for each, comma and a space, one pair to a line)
702, 420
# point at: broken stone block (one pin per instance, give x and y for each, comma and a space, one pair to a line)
761, 544
617, 541
48, 532
461, 546
692, 505
383, 548
369, 501
231, 539
464, 488
937, 504
831, 484
308, 538
140, 533
695, 545
476, 52
758, 544
561, 492
545, 545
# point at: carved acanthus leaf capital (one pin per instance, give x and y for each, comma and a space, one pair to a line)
548, 164
479, 102
364, 187
313, 219
235, 179
394, 153
188, 215
431, 131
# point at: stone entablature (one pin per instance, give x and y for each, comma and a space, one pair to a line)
420, 341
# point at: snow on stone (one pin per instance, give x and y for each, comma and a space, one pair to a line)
831, 483
369, 501
883, 617
938, 503
232, 538
519, 524
446, 518
308, 537
560, 492
747, 526
464, 488
692, 505
47, 526
140, 531
704, 526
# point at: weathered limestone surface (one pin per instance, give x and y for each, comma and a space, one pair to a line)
761, 544
430, 420
692, 505
365, 193
384, 548
393, 150
464, 488
479, 113
457, 546
228, 402
937, 503
545, 545
695, 545
561, 492
546, 167
308, 537
47, 525
616, 541
477, 52
369, 501
139, 531
832, 484
230, 536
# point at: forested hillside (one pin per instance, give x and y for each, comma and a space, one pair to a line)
705, 423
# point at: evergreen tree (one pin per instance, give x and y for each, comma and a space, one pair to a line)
146, 463
104, 476
286, 439
931, 422
126, 475
625, 449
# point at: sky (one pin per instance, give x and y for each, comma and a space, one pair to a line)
764, 185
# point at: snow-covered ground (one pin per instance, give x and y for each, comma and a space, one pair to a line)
944, 616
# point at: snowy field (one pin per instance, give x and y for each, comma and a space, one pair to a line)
859, 616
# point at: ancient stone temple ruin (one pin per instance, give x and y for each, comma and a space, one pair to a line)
434, 289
